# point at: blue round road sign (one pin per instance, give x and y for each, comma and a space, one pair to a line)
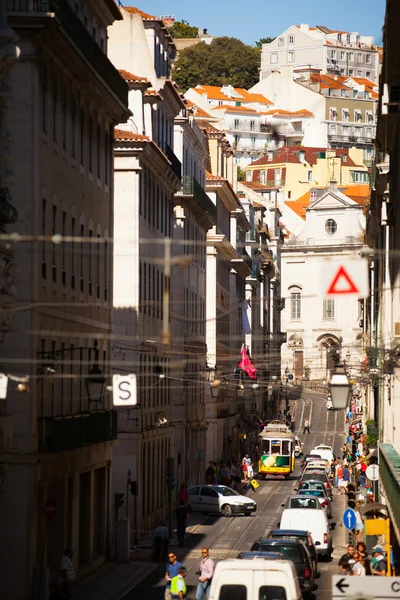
349, 518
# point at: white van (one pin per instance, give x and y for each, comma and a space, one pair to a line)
242, 579
314, 521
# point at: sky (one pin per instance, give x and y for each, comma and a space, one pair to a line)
265, 18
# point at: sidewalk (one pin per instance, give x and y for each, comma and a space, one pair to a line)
113, 581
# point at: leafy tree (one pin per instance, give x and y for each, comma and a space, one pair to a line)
262, 41
240, 174
182, 29
225, 61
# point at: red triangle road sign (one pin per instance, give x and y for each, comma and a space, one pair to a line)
342, 284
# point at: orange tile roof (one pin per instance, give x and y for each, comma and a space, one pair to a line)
235, 108
145, 16
130, 78
299, 206
328, 81
258, 205
210, 128
197, 110
280, 112
214, 93
310, 28
152, 92
290, 154
212, 177
129, 136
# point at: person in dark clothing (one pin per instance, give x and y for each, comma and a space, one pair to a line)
181, 518
347, 559
57, 592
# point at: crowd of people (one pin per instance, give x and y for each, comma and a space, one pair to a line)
356, 561
233, 473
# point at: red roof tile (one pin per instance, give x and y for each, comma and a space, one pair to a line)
129, 136
130, 78
145, 16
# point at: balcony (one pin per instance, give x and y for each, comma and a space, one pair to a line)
59, 434
389, 472
252, 237
173, 159
78, 34
243, 263
255, 274
192, 189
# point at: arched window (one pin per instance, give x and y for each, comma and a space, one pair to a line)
295, 303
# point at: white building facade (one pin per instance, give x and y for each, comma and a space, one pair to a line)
65, 98
336, 52
320, 328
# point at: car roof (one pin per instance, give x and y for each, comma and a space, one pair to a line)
299, 532
261, 554
276, 541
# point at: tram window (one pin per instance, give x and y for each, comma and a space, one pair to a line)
286, 448
275, 446
266, 447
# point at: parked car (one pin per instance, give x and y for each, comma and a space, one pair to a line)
310, 485
300, 501
314, 521
317, 476
322, 497
317, 468
258, 578
219, 499
295, 551
303, 536
298, 447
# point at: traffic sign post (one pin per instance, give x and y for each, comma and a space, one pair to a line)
345, 278
372, 472
349, 519
384, 588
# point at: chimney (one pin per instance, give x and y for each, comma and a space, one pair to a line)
302, 156
333, 185
270, 155
304, 27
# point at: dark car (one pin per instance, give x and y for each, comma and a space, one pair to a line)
295, 551
302, 536
265, 555
317, 476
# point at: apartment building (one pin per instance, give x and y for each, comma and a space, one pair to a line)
382, 410
65, 98
343, 108
243, 117
333, 229
334, 52
291, 171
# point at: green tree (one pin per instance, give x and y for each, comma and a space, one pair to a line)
262, 41
225, 61
182, 29
240, 174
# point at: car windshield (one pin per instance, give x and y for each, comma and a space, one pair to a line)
312, 485
316, 493
303, 503
225, 491
317, 476
292, 553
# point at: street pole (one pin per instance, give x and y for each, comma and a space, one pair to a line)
128, 482
135, 533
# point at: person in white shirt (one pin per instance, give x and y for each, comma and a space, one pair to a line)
250, 471
358, 567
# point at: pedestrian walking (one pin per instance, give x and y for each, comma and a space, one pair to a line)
210, 473
160, 542
170, 572
178, 585
205, 573
181, 514
68, 572
183, 495
250, 471
306, 426
244, 466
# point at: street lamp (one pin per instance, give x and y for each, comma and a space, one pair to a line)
340, 388
95, 381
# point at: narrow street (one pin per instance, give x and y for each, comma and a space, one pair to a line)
226, 537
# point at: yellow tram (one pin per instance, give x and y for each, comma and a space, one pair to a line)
276, 450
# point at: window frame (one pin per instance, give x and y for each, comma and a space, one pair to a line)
328, 309
295, 303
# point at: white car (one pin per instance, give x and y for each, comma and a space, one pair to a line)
298, 447
324, 451
219, 499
